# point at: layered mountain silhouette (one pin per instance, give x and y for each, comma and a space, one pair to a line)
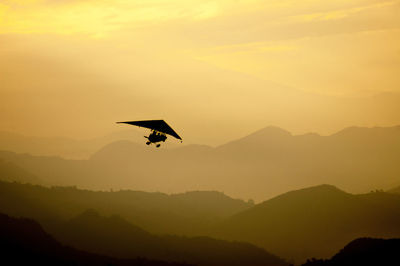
314, 222
259, 166
114, 236
364, 251
301, 224
24, 242
187, 213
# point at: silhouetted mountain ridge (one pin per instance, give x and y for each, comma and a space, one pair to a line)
354, 132
114, 236
97, 223
269, 134
24, 242
260, 166
314, 221
310, 222
308, 195
187, 213
364, 251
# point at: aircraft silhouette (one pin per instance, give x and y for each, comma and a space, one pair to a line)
159, 130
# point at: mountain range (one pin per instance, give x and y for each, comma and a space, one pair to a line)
116, 237
264, 164
297, 225
68, 148
314, 222
24, 242
363, 251
188, 213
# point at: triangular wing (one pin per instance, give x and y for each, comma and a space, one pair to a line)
157, 125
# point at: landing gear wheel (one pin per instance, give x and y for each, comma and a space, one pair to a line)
158, 145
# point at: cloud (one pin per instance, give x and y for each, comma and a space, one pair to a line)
292, 22
196, 23
157, 53
97, 18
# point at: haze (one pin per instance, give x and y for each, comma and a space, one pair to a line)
288, 111
217, 70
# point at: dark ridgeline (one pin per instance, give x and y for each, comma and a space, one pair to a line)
114, 236
314, 222
187, 213
364, 251
23, 242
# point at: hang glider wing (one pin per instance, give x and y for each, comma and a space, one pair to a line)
157, 125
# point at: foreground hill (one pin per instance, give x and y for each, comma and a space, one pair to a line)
264, 164
186, 213
115, 237
23, 242
364, 251
314, 222
59, 211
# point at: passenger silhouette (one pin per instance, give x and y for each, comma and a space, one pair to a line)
160, 130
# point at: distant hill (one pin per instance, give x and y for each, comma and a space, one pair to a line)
11, 172
364, 251
186, 213
23, 242
311, 222
314, 222
115, 237
61, 146
264, 164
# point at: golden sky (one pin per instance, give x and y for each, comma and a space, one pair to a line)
310, 65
